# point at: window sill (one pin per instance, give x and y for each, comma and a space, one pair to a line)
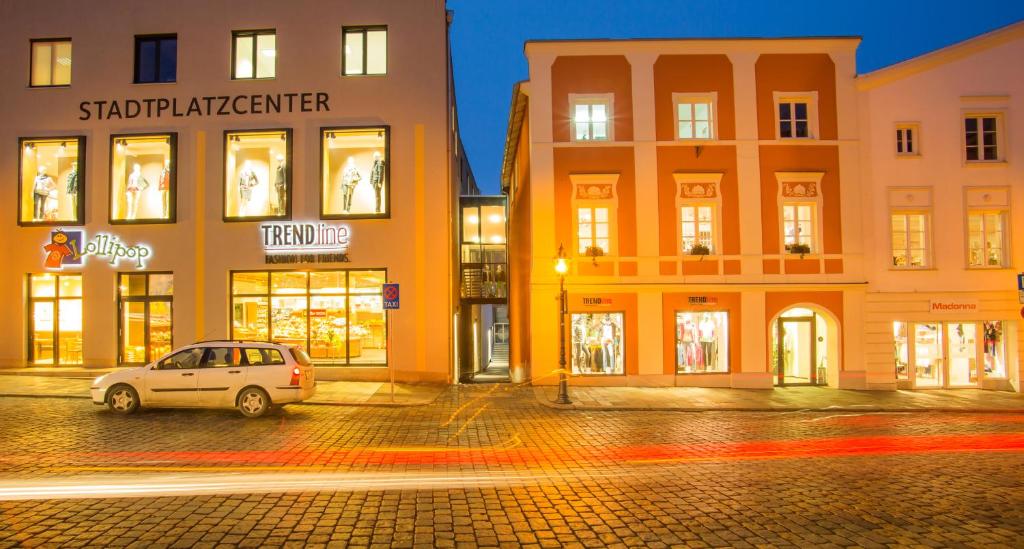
57, 86
702, 373
908, 156
363, 75
988, 268
135, 83
912, 269
985, 163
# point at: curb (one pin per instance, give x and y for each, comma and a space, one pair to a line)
844, 409
305, 403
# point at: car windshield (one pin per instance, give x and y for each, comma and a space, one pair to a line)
301, 357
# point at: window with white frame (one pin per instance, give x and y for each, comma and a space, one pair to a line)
910, 242
981, 138
986, 238
796, 115
698, 227
798, 226
695, 117
591, 118
907, 137
593, 229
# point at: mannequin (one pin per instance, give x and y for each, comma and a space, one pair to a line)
377, 177
689, 342
246, 182
72, 187
707, 341
281, 185
609, 339
580, 353
349, 179
41, 187
136, 184
165, 187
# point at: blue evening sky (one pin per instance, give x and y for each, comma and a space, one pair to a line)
488, 36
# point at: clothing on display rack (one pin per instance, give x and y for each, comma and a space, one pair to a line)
71, 187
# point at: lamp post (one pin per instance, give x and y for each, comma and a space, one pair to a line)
562, 267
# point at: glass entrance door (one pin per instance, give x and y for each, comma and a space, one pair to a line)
796, 351
962, 343
145, 319
928, 355
55, 319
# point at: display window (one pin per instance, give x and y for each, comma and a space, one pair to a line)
257, 175
355, 172
143, 178
702, 342
949, 354
55, 319
52, 175
337, 316
598, 343
144, 316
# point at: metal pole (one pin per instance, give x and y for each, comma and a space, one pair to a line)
391, 361
563, 381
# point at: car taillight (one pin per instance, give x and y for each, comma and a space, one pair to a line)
296, 372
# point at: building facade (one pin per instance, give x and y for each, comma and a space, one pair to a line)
184, 172
706, 195
943, 171
752, 213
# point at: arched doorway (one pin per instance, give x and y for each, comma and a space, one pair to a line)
805, 347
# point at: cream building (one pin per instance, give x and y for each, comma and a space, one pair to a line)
943, 169
193, 170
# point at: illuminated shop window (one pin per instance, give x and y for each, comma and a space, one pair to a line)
702, 342
52, 186
55, 319
337, 316
910, 240
51, 63
698, 227
798, 226
156, 59
143, 181
365, 50
598, 344
253, 54
257, 175
986, 238
590, 118
981, 138
144, 319
945, 354
484, 251
907, 137
694, 118
355, 172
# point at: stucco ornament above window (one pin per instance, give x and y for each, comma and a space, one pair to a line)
698, 190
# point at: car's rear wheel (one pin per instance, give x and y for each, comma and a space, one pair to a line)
123, 399
253, 402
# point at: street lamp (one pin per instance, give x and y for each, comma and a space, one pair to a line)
562, 267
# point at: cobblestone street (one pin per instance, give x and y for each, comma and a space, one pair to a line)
489, 465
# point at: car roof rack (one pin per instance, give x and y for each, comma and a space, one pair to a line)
225, 340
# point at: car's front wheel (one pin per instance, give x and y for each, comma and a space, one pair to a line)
123, 399
253, 402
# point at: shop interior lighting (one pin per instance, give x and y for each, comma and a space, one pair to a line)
63, 147
494, 218
497, 239
269, 52
29, 147
473, 220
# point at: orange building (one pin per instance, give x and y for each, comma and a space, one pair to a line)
706, 195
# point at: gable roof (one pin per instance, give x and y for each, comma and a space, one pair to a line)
935, 58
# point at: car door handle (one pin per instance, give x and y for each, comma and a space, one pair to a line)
234, 371
188, 374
